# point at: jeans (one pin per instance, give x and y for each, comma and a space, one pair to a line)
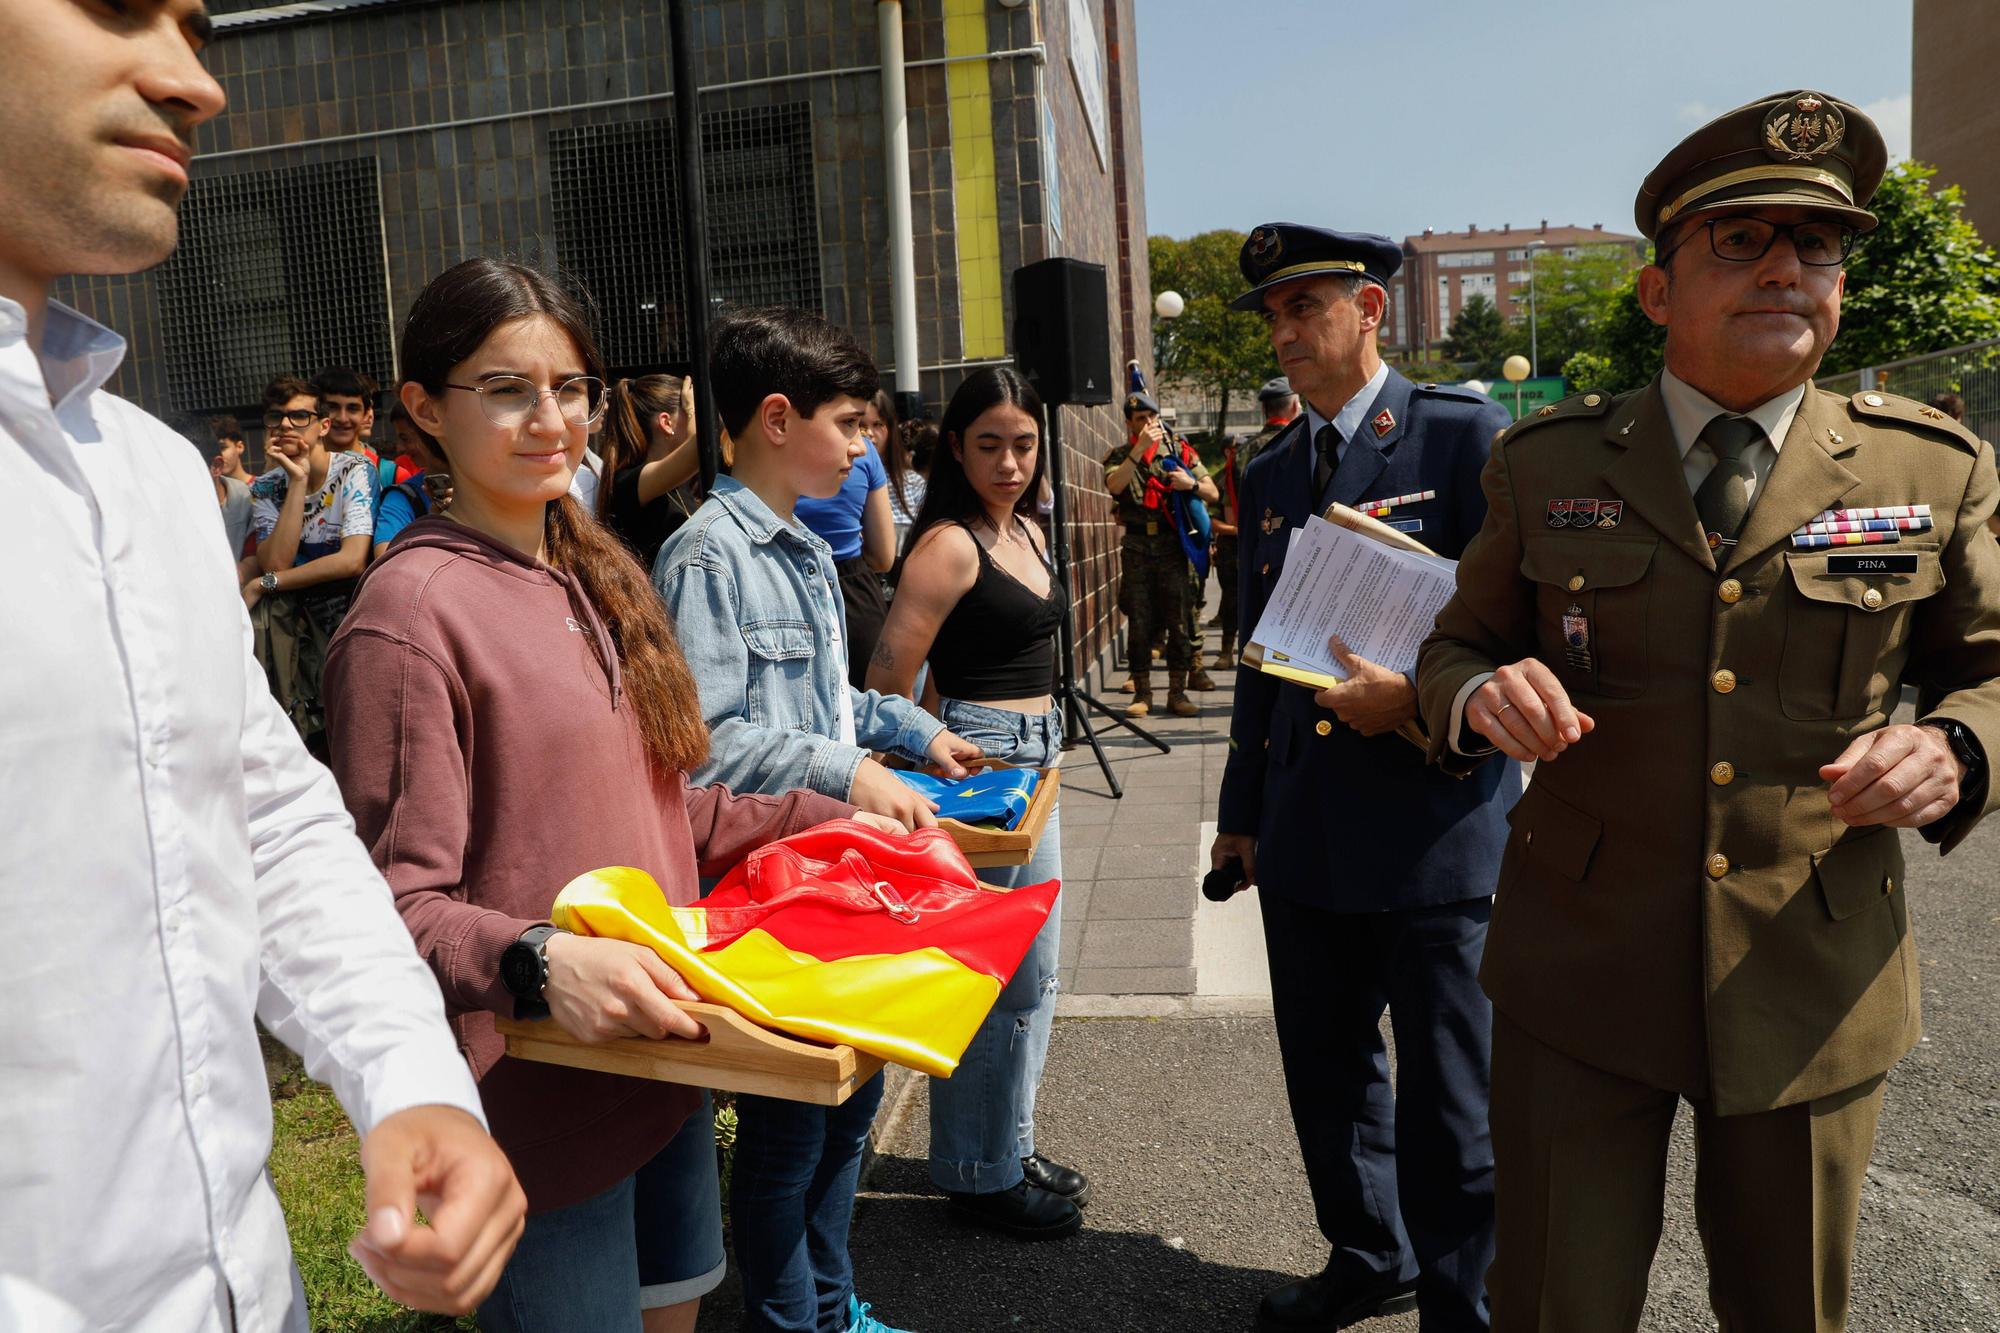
653, 1239
791, 1201
983, 1116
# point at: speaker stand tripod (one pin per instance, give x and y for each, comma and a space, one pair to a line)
1073, 698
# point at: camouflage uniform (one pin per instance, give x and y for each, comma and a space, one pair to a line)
1225, 546
1155, 575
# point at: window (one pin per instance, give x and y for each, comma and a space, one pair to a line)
617, 215
1466, 259
276, 271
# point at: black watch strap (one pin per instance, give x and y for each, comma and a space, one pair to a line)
1968, 750
524, 971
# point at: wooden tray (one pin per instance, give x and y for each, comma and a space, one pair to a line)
985, 847
737, 1056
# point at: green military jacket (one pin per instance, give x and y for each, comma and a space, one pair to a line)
1677, 903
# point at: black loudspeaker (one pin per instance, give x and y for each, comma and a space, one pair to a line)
1062, 331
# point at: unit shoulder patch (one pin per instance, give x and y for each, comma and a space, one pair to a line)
1874, 405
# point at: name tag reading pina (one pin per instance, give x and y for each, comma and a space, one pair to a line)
1871, 564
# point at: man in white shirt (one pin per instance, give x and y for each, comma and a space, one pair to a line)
172, 864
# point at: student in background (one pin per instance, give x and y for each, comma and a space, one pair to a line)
410, 499
313, 518
908, 460
648, 448
856, 522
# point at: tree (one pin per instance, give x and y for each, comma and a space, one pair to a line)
1586, 371
1211, 348
1574, 298
1920, 282
1633, 346
1479, 339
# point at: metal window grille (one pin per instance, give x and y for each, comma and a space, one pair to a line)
276, 271
617, 215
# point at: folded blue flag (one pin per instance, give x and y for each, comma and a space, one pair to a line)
995, 796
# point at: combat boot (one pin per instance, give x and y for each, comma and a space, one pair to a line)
1177, 701
1198, 677
1142, 695
1227, 657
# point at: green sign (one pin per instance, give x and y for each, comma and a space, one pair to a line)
1534, 393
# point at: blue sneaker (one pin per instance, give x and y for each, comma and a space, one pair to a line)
860, 1321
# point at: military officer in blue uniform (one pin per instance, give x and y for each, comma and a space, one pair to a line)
1375, 870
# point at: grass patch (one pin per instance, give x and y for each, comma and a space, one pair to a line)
316, 1166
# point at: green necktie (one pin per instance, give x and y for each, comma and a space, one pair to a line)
1723, 498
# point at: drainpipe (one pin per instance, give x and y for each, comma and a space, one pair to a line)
902, 239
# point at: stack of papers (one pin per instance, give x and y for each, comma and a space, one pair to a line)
1380, 600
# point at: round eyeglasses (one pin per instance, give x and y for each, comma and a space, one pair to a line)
1744, 240
509, 400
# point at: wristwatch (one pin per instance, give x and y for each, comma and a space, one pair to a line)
1964, 748
524, 971
268, 581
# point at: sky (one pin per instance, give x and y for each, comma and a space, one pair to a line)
1392, 117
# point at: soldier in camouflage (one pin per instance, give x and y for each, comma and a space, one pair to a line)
1139, 474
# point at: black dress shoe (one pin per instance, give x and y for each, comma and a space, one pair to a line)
1326, 1302
1057, 1179
1027, 1212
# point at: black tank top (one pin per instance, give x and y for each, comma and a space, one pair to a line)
999, 642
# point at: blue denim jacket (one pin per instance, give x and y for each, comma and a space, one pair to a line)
750, 596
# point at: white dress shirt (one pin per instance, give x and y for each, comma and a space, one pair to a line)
1347, 420
171, 863
1689, 411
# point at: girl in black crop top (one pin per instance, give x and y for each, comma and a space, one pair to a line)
978, 601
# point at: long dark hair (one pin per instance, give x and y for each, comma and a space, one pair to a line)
628, 426
451, 319
950, 497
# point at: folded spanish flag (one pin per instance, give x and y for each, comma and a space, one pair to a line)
840, 933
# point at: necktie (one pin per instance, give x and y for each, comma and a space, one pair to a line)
1327, 443
1724, 496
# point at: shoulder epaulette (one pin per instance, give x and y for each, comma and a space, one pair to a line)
1876, 406
1456, 392
1569, 409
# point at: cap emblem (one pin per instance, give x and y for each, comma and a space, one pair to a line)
1265, 244
1805, 128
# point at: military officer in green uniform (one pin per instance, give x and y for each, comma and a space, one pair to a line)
1154, 578
1281, 407
1697, 605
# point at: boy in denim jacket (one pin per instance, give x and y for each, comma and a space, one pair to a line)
757, 613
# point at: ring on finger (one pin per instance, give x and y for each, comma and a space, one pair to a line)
1501, 709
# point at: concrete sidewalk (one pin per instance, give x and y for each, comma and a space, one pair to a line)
1132, 866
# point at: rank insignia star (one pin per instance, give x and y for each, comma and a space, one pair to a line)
1932, 413
1548, 411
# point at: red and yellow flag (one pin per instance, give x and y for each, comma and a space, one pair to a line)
840, 933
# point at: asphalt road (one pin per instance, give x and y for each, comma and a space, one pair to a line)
1182, 1123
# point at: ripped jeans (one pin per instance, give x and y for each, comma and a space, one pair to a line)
983, 1116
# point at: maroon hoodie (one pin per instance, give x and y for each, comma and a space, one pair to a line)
482, 744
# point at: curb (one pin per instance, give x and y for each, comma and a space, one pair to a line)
899, 1087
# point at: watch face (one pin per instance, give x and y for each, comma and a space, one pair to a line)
520, 970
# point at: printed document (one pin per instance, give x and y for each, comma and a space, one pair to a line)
1380, 600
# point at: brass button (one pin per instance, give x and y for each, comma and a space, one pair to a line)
1323, 727
1718, 866
1730, 591
1872, 598
1592, 400
1724, 681
1722, 774
1576, 583
1872, 399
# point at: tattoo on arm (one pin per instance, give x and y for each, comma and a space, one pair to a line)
883, 657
